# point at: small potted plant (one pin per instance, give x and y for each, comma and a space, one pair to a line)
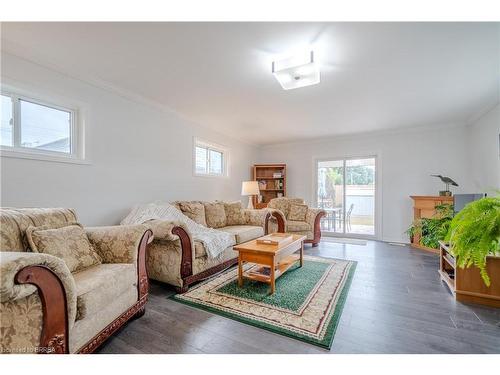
474, 234
432, 230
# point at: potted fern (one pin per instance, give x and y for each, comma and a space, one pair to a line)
474, 234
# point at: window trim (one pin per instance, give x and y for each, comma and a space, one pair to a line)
210, 146
76, 155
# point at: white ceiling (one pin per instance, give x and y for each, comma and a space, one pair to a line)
374, 76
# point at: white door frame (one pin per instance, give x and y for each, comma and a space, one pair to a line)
378, 193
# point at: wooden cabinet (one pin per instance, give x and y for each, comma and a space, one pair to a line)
424, 207
272, 182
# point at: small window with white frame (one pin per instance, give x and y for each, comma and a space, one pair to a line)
37, 128
209, 159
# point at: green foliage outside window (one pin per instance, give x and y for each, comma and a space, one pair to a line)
356, 175
360, 175
334, 175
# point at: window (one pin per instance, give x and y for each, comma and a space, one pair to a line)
29, 126
7, 121
209, 159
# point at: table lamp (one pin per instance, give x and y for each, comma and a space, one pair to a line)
250, 188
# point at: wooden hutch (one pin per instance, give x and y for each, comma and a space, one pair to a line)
424, 206
272, 182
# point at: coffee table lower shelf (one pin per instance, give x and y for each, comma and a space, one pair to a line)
282, 267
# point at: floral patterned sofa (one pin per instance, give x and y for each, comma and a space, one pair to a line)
176, 259
298, 218
46, 308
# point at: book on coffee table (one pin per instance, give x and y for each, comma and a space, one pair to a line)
260, 270
275, 239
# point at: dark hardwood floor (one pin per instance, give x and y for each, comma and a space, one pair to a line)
396, 304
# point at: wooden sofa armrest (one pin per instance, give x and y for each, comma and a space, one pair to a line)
142, 272
313, 217
23, 274
279, 217
187, 258
186, 250
54, 337
173, 231
177, 232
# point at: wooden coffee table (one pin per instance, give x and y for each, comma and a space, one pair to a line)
278, 258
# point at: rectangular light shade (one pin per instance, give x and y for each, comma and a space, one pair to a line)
250, 188
297, 71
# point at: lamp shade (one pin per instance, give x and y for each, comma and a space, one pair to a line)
250, 188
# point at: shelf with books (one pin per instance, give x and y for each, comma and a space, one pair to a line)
272, 182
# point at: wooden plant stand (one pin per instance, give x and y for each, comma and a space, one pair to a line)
466, 284
278, 258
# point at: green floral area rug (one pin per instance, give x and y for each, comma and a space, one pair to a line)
306, 306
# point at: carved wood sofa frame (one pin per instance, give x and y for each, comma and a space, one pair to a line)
316, 230
55, 332
187, 255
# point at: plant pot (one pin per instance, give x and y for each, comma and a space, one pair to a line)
445, 193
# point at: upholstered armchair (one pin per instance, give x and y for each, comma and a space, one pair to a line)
52, 304
297, 217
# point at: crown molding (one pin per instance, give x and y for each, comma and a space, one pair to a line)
377, 133
140, 99
480, 114
124, 93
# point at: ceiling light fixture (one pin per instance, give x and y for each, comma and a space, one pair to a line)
296, 71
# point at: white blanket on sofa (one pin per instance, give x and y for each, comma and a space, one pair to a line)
214, 241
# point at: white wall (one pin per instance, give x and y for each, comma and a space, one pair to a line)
137, 152
483, 147
406, 159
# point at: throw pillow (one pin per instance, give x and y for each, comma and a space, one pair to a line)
194, 210
298, 212
70, 243
215, 214
234, 213
176, 204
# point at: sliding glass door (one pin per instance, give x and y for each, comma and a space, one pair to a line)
346, 191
